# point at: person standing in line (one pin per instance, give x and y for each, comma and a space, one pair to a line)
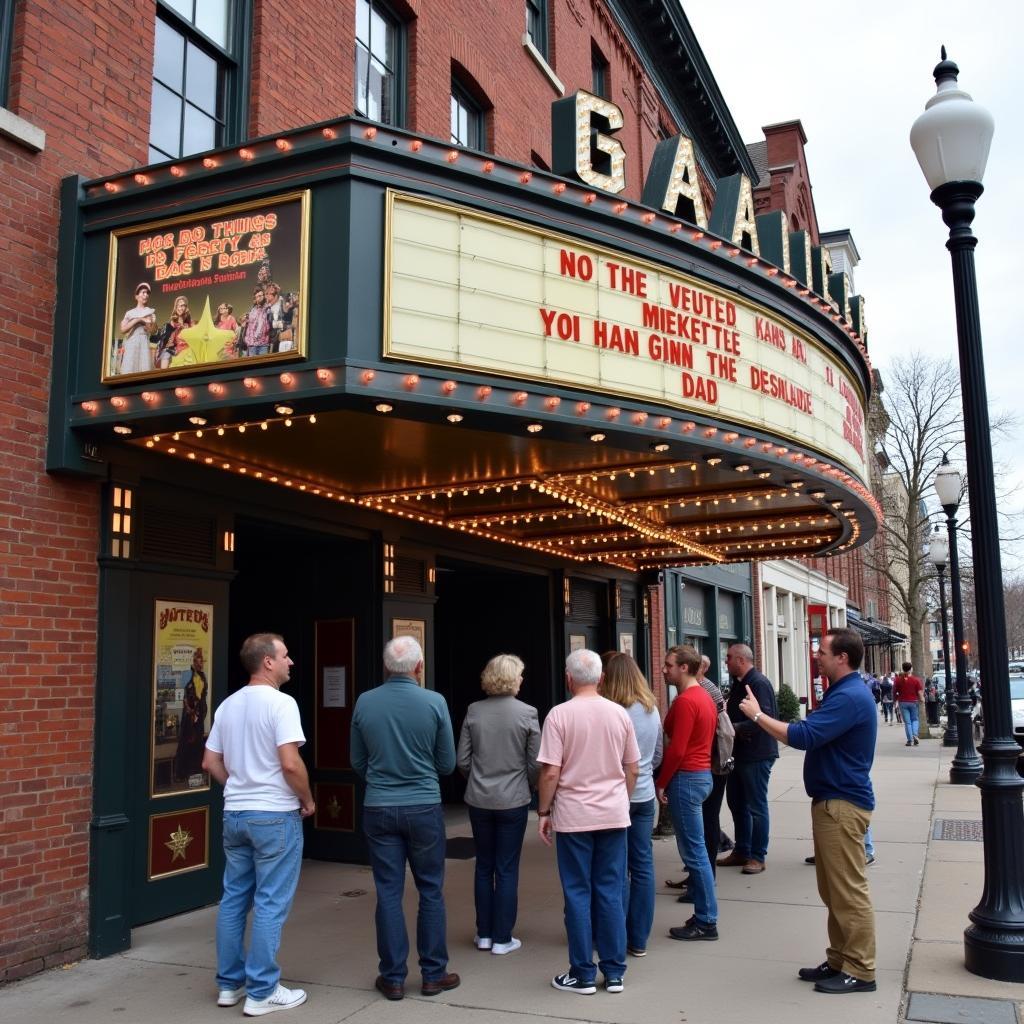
840, 742
755, 753
253, 752
684, 783
497, 753
624, 684
711, 810
590, 762
401, 742
908, 689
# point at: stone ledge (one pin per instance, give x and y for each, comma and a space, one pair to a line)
20, 130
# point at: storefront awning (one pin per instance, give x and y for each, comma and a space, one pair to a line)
875, 634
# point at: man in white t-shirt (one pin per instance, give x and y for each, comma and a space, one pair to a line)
253, 752
589, 765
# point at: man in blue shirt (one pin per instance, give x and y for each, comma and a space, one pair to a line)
401, 742
840, 742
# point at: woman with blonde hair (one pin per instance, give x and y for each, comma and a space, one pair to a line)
497, 753
624, 684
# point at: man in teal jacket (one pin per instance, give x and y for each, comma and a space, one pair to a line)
401, 742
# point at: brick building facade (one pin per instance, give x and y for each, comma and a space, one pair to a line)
79, 101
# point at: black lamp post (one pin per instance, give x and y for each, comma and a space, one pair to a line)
951, 141
966, 766
938, 555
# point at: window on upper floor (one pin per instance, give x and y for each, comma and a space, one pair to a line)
200, 63
468, 120
599, 80
537, 25
380, 86
6, 34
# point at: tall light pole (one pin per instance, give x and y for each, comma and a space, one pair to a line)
938, 555
966, 766
951, 140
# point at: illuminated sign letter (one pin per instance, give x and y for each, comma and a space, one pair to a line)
577, 143
839, 291
672, 182
800, 257
773, 235
821, 270
858, 319
732, 216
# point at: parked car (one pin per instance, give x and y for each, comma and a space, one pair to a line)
1016, 705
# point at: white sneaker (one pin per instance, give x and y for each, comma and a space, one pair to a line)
482, 943
231, 996
280, 999
501, 948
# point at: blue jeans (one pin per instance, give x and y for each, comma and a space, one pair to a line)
415, 834
499, 842
909, 712
747, 793
869, 843
259, 350
687, 792
262, 857
638, 887
592, 867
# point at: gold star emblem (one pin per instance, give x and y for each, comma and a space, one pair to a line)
204, 337
178, 843
333, 807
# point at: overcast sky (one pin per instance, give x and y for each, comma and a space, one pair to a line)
857, 75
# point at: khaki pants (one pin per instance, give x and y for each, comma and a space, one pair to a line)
838, 827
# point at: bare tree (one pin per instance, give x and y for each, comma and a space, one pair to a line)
1013, 597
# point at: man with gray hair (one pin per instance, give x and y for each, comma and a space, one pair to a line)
401, 742
589, 765
754, 752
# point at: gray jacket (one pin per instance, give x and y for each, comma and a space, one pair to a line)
497, 752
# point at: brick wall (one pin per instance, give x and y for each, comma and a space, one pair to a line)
81, 73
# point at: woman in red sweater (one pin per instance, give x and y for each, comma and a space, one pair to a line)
684, 783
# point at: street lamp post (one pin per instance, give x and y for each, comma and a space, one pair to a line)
966, 766
938, 555
951, 140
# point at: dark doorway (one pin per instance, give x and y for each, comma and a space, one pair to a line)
483, 611
304, 585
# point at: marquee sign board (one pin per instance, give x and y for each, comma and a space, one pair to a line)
489, 294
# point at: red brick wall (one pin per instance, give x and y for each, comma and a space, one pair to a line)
79, 72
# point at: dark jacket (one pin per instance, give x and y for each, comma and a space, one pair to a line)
752, 742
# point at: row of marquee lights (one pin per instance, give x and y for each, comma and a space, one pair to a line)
583, 504
154, 398
683, 166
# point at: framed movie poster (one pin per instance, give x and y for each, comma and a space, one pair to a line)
220, 288
182, 699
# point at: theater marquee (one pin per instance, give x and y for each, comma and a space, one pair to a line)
492, 295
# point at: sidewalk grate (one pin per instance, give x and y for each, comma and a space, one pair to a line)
955, 829
959, 1010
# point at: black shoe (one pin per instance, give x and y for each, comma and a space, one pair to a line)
725, 844
843, 982
681, 884
915, 741
809, 860
695, 932
686, 896
819, 973
909, 744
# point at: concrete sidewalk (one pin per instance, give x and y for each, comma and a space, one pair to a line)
770, 925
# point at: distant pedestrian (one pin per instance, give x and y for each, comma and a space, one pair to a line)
684, 783
401, 742
624, 684
589, 766
497, 753
886, 689
253, 752
840, 742
908, 689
